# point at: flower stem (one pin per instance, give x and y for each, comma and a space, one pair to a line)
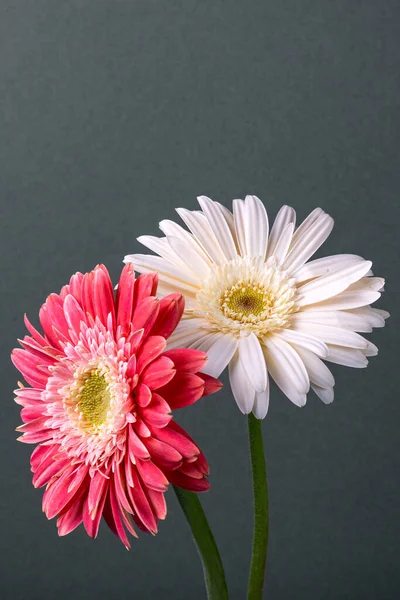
260, 491
212, 565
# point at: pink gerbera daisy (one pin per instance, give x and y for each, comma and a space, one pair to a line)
99, 408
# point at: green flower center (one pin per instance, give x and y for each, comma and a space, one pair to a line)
94, 399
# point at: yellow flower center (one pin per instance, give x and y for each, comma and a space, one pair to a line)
94, 399
246, 294
244, 301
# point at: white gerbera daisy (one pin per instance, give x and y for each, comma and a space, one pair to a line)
253, 302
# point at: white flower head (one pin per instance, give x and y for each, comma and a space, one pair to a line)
253, 302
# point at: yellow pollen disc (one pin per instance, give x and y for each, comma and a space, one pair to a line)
94, 399
245, 300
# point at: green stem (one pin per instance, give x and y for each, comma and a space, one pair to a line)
260, 491
212, 565
213, 569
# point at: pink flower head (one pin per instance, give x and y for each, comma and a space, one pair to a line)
99, 408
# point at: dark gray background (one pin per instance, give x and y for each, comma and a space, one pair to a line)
112, 114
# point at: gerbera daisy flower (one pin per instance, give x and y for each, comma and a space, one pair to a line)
255, 303
99, 408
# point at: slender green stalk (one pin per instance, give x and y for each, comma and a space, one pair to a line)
260, 491
212, 565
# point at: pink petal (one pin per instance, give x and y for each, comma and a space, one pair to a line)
177, 438
71, 518
47, 354
40, 453
57, 496
48, 469
113, 518
30, 413
145, 286
28, 365
152, 476
121, 487
145, 314
75, 287
170, 313
36, 437
74, 314
131, 368
87, 293
187, 359
125, 297
188, 483
183, 390
98, 484
142, 394
34, 333
141, 428
211, 385
157, 503
150, 350
136, 446
135, 339
141, 504
157, 413
191, 470
103, 295
52, 316
91, 519
158, 373
163, 454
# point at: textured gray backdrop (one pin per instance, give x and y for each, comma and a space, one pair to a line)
113, 112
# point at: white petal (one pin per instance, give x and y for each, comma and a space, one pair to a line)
257, 227
187, 323
253, 361
333, 335
188, 331
383, 313
261, 403
285, 216
370, 350
354, 321
184, 339
330, 285
308, 242
192, 259
325, 394
325, 266
201, 229
303, 339
314, 216
164, 288
372, 315
243, 392
219, 353
336, 318
219, 226
369, 283
172, 228
231, 224
146, 263
346, 300
251, 222
348, 357
317, 371
287, 370
283, 244
161, 247
240, 224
